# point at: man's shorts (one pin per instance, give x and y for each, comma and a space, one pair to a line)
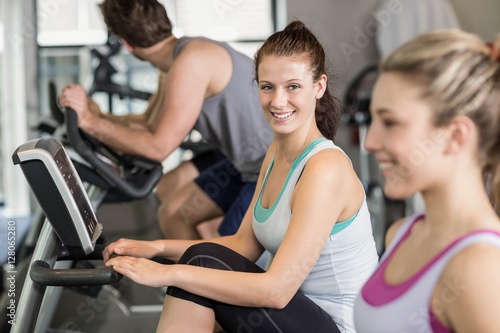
220, 180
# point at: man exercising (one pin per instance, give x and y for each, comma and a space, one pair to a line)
205, 85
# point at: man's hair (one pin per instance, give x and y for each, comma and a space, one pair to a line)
141, 23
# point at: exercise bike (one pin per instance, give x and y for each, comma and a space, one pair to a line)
69, 233
110, 177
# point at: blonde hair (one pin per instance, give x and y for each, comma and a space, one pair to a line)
460, 75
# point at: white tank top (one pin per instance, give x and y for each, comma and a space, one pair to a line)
347, 260
404, 308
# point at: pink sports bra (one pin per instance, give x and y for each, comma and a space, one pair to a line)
405, 307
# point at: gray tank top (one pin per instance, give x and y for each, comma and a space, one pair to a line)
233, 120
347, 259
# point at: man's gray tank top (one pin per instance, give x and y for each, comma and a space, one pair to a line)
232, 120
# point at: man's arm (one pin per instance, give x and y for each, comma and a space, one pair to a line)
184, 92
134, 120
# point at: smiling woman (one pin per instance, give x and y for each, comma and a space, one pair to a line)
435, 130
308, 55
307, 193
288, 100
411, 144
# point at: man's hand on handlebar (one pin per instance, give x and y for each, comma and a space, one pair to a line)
75, 97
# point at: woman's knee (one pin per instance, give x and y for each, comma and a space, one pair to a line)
212, 255
201, 253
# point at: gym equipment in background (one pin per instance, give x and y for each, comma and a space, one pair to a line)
104, 72
382, 210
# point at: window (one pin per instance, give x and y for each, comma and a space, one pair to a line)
244, 24
69, 23
68, 29
227, 20
79, 22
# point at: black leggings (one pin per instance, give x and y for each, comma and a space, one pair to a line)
300, 315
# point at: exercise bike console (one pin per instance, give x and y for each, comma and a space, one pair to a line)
70, 233
60, 192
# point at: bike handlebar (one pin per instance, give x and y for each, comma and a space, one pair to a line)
40, 272
150, 171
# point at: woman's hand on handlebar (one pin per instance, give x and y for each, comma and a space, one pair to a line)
141, 270
132, 248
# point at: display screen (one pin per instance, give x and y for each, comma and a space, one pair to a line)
72, 181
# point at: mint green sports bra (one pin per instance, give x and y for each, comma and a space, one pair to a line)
261, 214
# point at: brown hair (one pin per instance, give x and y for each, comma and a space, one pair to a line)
460, 74
141, 23
296, 40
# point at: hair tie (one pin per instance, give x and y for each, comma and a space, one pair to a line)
495, 51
